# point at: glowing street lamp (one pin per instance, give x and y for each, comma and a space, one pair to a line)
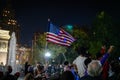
47, 54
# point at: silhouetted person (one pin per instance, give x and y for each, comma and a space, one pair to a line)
67, 75
17, 75
115, 67
8, 75
26, 67
29, 76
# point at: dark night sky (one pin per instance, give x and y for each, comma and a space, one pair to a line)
32, 15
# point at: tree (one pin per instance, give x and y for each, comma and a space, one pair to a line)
82, 39
42, 46
103, 32
81, 36
102, 28
38, 48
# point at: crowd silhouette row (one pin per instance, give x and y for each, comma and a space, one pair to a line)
82, 68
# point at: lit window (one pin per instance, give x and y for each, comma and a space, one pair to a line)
9, 23
8, 11
13, 23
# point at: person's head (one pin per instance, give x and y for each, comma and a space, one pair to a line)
17, 74
66, 63
87, 61
99, 55
40, 69
94, 68
26, 63
115, 66
30, 69
29, 76
67, 75
1, 63
9, 69
38, 63
82, 51
88, 54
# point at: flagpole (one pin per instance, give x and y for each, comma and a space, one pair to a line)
47, 31
64, 56
32, 48
46, 45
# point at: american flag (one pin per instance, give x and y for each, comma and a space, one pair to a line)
59, 36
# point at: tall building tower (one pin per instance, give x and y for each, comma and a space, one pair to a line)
8, 20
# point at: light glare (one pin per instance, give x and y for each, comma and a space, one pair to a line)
47, 54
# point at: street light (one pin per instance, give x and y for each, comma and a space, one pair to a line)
47, 54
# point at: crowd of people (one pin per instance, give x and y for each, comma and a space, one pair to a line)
84, 67
6, 74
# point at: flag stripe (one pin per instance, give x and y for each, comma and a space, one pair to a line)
56, 42
67, 34
67, 37
59, 38
55, 39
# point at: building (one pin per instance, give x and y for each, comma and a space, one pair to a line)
8, 20
24, 54
8, 25
4, 38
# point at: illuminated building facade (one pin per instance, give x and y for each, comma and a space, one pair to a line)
8, 25
23, 55
4, 38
